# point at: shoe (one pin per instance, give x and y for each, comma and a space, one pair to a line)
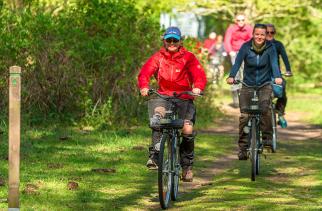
282, 121
242, 155
234, 105
187, 175
152, 164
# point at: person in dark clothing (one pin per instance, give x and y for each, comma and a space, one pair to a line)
282, 101
260, 66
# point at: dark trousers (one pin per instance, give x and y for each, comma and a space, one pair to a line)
186, 111
266, 117
281, 103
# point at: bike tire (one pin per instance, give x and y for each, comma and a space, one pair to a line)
257, 158
274, 137
253, 149
176, 167
164, 171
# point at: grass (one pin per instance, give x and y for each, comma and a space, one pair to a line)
48, 164
309, 106
291, 179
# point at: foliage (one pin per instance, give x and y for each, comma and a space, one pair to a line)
87, 54
298, 25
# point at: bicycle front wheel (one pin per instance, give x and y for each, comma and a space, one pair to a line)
176, 167
254, 151
164, 171
274, 138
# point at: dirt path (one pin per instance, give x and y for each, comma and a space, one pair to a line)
228, 125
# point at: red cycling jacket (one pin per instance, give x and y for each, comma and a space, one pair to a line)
175, 72
235, 36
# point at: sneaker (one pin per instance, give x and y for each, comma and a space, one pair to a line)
282, 121
234, 105
242, 155
187, 175
152, 164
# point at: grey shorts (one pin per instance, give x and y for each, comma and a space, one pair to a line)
185, 108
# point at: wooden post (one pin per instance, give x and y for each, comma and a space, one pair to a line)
14, 136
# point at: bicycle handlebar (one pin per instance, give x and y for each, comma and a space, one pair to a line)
175, 95
256, 87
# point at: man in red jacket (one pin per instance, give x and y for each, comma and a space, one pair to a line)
176, 70
236, 35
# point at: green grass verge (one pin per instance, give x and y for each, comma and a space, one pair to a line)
291, 179
308, 105
48, 164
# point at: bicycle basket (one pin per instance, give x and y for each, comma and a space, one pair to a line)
170, 123
248, 104
158, 106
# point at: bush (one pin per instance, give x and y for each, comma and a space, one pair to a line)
84, 58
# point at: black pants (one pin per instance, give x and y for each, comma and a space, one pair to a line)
281, 102
186, 111
266, 117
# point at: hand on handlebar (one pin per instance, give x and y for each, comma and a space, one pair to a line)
196, 91
230, 80
278, 81
144, 92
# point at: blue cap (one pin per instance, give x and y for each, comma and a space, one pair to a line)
172, 32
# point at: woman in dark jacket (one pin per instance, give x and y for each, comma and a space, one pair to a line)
260, 66
281, 52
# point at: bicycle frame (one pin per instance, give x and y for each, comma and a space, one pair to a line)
169, 169
255, 146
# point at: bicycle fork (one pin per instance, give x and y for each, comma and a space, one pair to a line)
259, 146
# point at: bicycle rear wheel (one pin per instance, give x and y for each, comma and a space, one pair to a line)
164, 171
176, 167
274, 138
253, 150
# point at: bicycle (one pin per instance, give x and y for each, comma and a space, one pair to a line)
169, 157
255, 145
273, 145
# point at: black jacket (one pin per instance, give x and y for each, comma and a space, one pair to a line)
281, 52
258, 68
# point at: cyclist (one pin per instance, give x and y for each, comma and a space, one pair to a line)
176, 70
236, 34
210, 42
219, 55
260, 59
281, 102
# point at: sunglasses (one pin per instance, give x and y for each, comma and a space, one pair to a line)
240, 20
171, 40
270, 32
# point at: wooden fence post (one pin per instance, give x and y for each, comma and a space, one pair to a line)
14, 136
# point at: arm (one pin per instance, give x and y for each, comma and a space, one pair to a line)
227, 40
274, 64
285, 58
238, 62
197, 73
147, 70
